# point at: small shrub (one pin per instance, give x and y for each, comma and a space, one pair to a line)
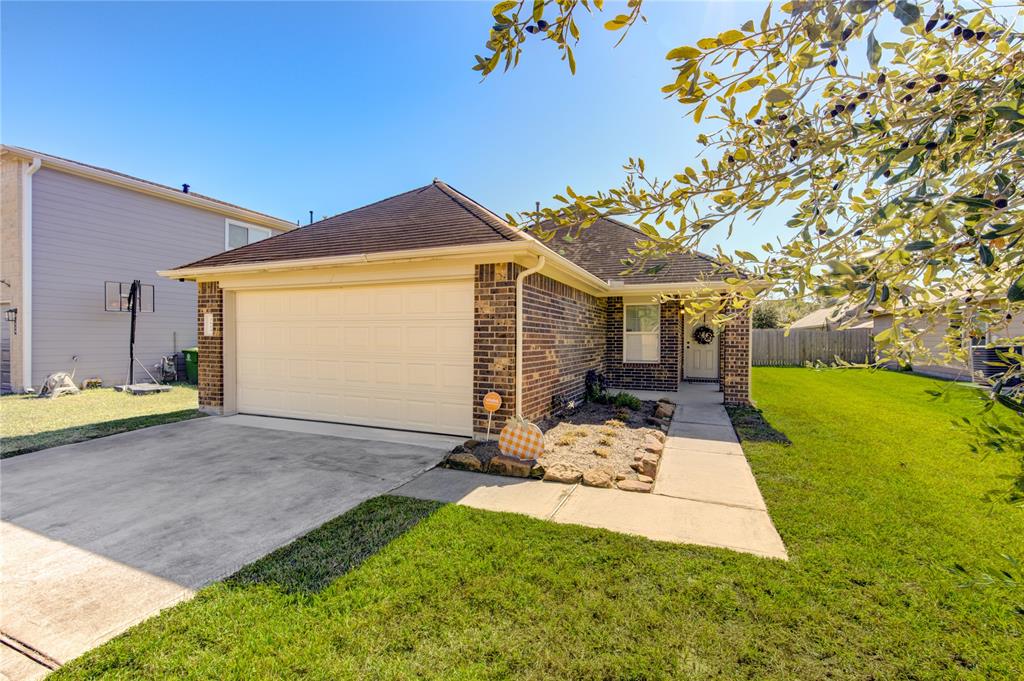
567, 440
614, 423
581, 432
608, 432
626, 400
605, 442
596, 387
622, 415
602, 452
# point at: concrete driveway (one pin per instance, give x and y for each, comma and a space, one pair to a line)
99, 535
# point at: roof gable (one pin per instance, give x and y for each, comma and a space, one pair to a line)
427, 217
601, 248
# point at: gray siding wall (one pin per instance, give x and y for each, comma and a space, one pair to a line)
87, 232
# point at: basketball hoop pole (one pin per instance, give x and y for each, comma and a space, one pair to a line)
134, 295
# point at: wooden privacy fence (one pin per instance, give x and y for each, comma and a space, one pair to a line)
773, 348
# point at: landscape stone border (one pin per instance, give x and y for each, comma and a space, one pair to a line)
482, 457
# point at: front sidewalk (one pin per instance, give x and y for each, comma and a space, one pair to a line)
705, 492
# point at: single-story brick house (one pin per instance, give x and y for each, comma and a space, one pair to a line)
402, 314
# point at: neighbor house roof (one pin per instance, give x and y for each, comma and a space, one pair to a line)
826, 317
428, 217
602, 247
148, 186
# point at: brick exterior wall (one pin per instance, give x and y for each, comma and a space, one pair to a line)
564, 337
494, 341
734, 358
663, 375
211, 348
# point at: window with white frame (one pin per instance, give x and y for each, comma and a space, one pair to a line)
237, 234
641, 333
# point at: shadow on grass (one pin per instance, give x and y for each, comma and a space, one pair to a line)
751, 426
310, 563
23, 444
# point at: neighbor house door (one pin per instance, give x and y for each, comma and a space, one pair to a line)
700, 360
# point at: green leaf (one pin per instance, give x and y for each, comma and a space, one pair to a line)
973, 202
1015, 293
684, 52
921, 245
874, 50
731, 36
777, 95
699, 111
503, 7
538, 9
1007, 113
617, 23
907, 12
986, 256
572, 60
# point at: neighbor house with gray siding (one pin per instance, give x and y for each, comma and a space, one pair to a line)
72, 236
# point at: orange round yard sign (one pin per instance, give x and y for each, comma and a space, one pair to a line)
492, 401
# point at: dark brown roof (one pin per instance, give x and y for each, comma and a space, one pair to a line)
432, 216
601, 248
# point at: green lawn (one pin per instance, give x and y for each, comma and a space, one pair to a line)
28, 423
875, 498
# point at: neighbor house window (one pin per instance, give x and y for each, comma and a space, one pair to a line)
641, 338
237, 234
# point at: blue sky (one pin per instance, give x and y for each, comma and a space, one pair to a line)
291, 107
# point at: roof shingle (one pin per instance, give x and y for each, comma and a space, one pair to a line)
428, 217
601, 248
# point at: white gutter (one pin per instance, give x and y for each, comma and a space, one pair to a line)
519, 331
25, 308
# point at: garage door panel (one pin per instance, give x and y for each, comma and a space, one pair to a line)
391, 356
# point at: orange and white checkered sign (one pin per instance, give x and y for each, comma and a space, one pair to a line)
521, 440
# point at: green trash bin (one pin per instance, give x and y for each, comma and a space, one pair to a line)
191, 364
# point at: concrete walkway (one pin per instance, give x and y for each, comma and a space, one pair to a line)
705, 492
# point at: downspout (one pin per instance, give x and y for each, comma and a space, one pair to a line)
519, 331
25, 309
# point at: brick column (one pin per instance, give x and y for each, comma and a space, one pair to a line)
211, 348
734, 358
494, 342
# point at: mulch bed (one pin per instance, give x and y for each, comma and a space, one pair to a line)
601, 445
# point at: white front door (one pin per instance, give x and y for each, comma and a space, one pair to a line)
394, 355
699, 360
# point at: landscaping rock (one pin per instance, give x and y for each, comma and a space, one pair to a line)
562, 473
601, 476
649, 466
506, 465
459, 449
471, 444
634, 486
537, 472
464, 461
659, 435
653, 444
657, 423
645, 478
664, 410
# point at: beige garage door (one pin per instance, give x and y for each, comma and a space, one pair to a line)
396, 356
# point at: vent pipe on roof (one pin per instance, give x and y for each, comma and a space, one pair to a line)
184, 188
310, 217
